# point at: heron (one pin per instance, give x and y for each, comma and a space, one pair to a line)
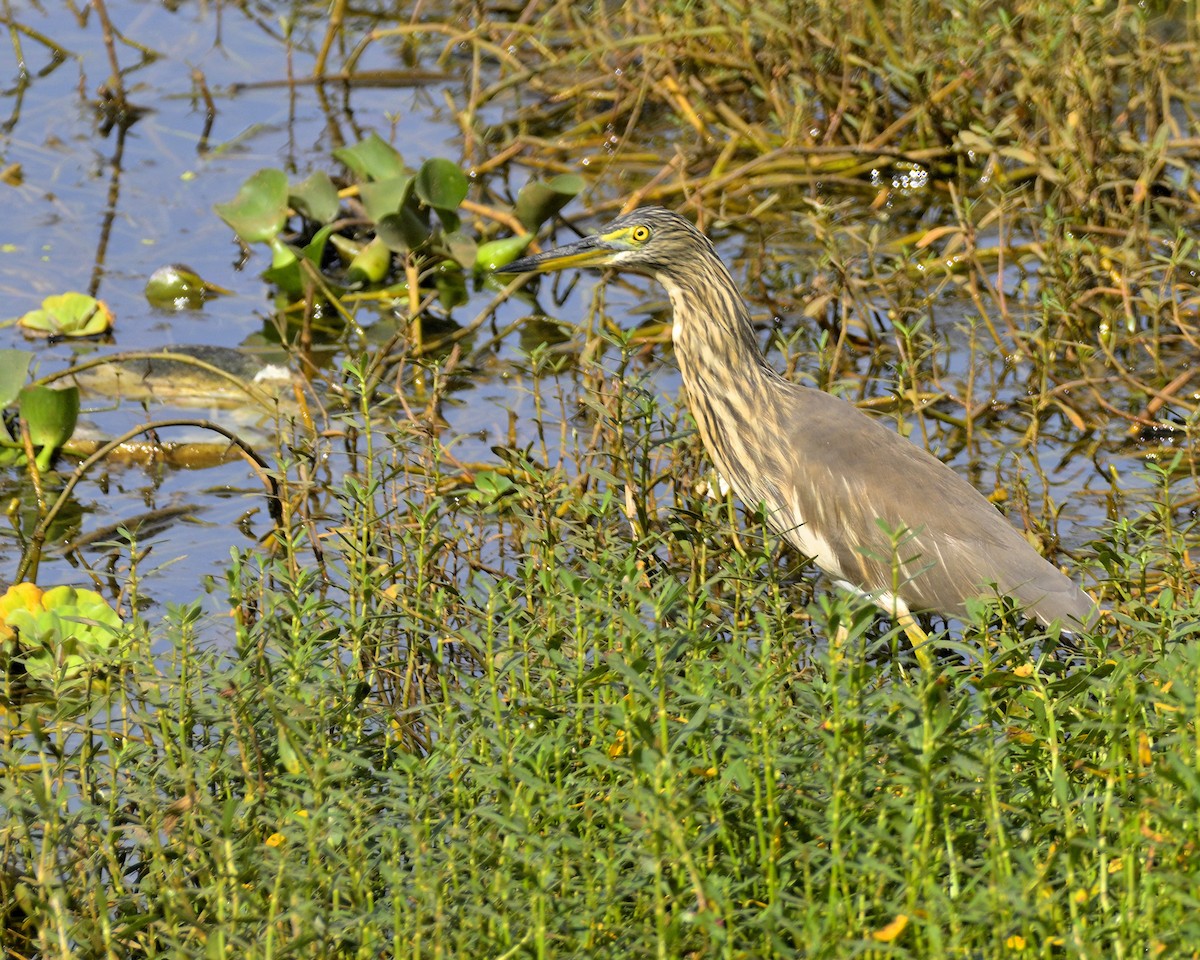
879, 515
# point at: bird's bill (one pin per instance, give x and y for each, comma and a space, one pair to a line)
588, 252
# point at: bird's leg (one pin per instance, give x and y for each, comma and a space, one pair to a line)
918, 638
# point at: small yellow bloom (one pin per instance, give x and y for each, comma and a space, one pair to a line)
890, 932
1015, 942
275, 840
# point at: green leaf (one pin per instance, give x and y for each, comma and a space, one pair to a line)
50, 415
285, 273
538, 202
451, 285
461, 247
259, 211
69, 315
497, 253
441, 184
314, 250
371, 263
315, 198
14, 369
372, 159
494, 485
283, 255
99, 622
403, 231
386, 197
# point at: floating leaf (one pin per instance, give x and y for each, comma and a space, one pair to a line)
403, 231
286, 271
451, 285
441, 184
538, 202
69, 315
314, 250
259, 211
315, 197
50, 415
14, 369
491, 486
346, 248
370, 264
386, 197
372, 159
461, 247
283, 254
58, 634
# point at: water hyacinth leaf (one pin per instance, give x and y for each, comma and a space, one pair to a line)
20, 596
69, 315
283, 254
50, 416
314, 250
315, 197
14, 369
347, 249
386, 197
492, 486
538, 201
451, 284
372, 159
58, 633
499, 253
179, 287
96, 623
285, 272
259, 211
460, 247
441, 184
370, 264
403, 231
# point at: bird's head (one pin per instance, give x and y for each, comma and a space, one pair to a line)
649, 240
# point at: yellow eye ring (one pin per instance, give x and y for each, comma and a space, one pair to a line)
640, 234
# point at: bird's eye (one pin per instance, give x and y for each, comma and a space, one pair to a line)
640, 234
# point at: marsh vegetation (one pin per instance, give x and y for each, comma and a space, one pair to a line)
494, 676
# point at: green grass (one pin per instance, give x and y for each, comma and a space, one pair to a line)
560, 703
482, 727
